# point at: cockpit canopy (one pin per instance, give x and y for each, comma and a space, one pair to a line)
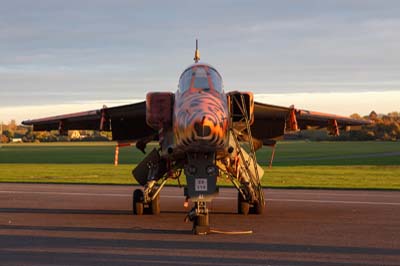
200, 76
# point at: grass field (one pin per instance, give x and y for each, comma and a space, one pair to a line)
367, 165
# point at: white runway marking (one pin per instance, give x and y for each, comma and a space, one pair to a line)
64, 193
336, 201
329, 193
182, 197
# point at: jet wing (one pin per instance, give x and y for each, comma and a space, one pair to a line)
127, 122
271, 121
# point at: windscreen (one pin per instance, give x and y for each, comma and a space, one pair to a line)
200, 77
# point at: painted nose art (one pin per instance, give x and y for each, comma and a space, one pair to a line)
202, 130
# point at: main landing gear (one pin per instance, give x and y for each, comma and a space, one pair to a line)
245, 208
141, 206
244, 171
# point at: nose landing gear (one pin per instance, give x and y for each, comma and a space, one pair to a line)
200, 217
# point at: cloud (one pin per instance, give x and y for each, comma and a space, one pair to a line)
101, 49
341, 103
20, 113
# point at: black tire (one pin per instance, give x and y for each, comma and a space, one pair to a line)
139, 208
243, 206
201, 225
137, 202
155, 205
202, 220
258, 208
239, 203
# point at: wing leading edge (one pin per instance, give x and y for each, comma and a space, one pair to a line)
127, 122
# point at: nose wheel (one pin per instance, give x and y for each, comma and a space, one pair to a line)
201, 225
200, 217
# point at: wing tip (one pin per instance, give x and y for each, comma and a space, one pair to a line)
27, 123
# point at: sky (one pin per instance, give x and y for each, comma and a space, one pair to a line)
336, 56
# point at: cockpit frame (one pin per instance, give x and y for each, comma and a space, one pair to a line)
200, 76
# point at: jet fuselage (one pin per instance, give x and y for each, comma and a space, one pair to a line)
201, 115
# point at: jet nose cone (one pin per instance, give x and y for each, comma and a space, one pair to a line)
201, 122
201, 128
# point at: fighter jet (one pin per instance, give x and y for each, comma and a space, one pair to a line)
201, 130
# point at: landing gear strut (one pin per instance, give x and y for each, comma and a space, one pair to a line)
244, 171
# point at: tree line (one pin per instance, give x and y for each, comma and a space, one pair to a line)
12, 132
385, 127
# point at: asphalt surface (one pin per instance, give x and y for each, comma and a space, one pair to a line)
93, 225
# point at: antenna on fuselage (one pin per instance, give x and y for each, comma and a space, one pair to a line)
197, 52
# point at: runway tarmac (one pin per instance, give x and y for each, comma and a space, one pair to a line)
93, 225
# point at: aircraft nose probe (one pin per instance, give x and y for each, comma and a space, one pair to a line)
197, 52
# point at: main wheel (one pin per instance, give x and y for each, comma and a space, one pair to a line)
259, 205
243, 205
155, 205
258, 208
138, 202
